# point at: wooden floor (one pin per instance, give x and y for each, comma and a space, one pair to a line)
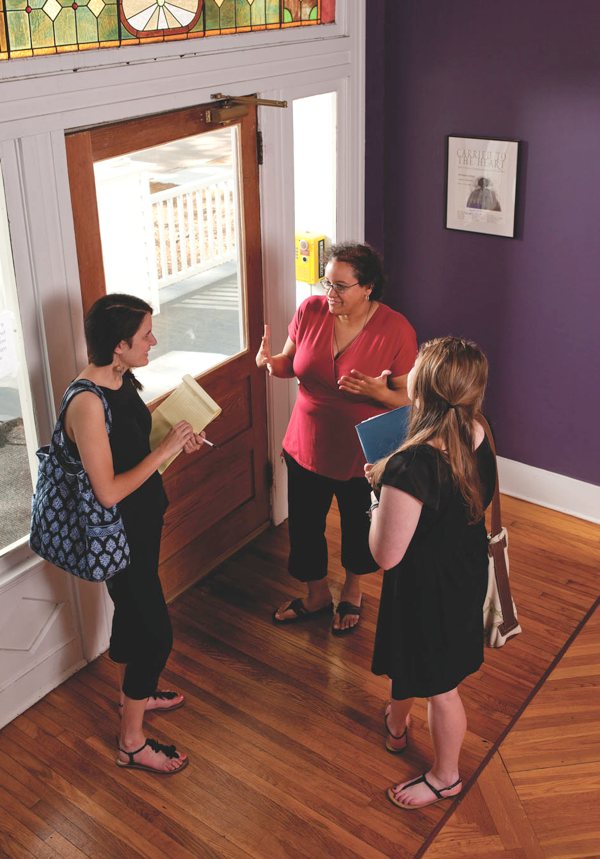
284, 730
540, 794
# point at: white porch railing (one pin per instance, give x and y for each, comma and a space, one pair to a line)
195, 228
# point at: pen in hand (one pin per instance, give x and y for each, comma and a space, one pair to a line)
209, 443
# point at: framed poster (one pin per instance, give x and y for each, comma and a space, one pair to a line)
481, 185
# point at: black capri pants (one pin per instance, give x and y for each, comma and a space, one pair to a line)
309, 499
142, 636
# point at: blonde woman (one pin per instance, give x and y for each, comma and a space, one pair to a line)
428, 533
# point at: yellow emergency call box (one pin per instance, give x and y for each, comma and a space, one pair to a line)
310, 257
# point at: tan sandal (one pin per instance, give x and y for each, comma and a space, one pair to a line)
422, 779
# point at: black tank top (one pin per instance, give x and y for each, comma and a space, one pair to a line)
130, 443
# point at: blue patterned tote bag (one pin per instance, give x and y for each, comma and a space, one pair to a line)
69, 526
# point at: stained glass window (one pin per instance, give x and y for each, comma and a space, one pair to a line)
33, 27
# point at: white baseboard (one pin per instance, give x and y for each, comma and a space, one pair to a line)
549, 489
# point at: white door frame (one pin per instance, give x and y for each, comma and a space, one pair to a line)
40, 99
277, 218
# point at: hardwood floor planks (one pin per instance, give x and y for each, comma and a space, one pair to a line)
490, 822
284, 728
551, 761
64, 848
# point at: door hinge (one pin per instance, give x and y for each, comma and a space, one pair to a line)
269, 474
260, 154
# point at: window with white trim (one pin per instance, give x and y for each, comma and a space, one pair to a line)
18, 437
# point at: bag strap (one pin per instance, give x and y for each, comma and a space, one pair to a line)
496, 547
496, 524
77, 387
58, 443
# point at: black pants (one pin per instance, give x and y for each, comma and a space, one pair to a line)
309, 499
141, 636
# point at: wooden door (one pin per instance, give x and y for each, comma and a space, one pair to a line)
122, 175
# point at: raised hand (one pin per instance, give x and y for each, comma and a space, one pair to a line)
264, 356
364, 386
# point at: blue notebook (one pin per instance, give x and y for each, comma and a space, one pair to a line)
382, 434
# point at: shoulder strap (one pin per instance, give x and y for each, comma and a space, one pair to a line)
77, 387
58, 444
496, 524
497, 546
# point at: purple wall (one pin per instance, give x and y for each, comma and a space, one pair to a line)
525, 70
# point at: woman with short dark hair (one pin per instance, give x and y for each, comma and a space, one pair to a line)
123, 471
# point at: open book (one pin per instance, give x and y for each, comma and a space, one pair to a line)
188, 402
381, 435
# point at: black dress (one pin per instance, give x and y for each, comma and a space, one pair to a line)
141, 636
430, 626
130, 443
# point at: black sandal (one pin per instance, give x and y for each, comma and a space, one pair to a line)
301, 612
437, 792
168, 751
166, 696
404, 735
163, 695
343, 609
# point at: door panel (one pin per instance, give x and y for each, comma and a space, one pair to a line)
219, 498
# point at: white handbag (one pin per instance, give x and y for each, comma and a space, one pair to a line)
499, 610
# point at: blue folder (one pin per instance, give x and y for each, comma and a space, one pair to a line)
381, 435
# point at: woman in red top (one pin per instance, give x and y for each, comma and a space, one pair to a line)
351, 355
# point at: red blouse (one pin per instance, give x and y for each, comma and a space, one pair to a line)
321, 435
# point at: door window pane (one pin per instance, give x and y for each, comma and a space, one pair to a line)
169, 225
16, 413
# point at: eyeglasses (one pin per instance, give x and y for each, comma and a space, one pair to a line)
338, 288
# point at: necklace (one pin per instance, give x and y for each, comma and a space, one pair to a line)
336, 350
